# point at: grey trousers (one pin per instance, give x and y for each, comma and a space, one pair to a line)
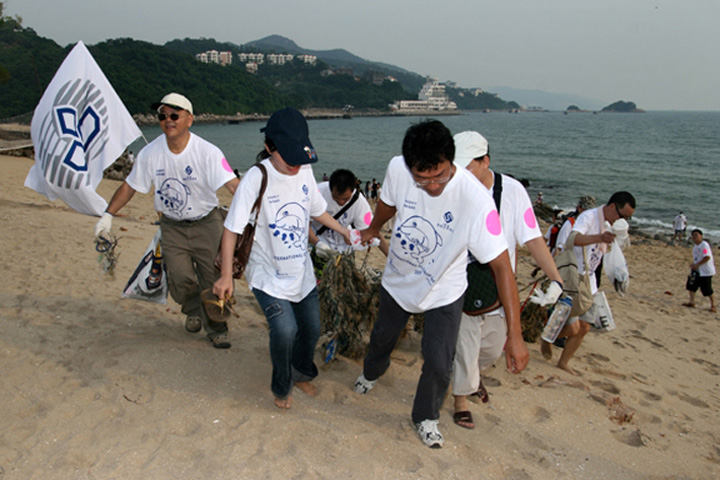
189, 250
438, 348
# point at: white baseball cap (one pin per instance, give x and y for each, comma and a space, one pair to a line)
469, 146
174, 100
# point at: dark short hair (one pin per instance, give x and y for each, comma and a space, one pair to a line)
342, 180
620, 199
697, 230
427, 144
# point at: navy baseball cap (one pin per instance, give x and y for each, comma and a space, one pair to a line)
288, 130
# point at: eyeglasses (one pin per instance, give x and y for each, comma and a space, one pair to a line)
437, 181
173, 116
617, 209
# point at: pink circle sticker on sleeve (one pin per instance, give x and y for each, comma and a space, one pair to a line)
530, 218
368, 218
226, 165
492, 222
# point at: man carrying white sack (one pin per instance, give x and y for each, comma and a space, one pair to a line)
592, 239
186, 172
482, 337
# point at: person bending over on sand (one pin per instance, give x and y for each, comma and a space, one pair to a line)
591, 234
348, 206
440, 213
279, 271
482, 337
701, 271
186, 172
586, 202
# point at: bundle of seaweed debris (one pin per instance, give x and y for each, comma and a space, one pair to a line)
349, 296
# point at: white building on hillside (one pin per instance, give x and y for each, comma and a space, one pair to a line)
432, 96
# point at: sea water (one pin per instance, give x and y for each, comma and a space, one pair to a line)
670, 161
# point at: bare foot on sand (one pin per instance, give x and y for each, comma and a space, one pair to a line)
307, 387
569, 370
546, 349
283, 402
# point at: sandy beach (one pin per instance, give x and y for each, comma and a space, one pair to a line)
98, 387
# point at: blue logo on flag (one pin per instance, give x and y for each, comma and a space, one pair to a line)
81, 131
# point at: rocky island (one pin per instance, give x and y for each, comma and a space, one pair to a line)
622, 107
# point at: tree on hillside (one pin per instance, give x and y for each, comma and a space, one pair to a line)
17, 21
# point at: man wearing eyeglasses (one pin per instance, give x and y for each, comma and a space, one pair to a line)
186, 172
592, 237
440, 213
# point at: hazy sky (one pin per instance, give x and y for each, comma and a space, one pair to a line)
661, 54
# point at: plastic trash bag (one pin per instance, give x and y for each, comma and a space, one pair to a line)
600, 316
149, 280
616, 268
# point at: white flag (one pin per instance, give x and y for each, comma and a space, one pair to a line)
79, 128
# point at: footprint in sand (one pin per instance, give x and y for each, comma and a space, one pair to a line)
134, 389
607, 386
634, 438
692, 400
709, 367
651, 396
542, 414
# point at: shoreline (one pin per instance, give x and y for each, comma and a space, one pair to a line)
15, 141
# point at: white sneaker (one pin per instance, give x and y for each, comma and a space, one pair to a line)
429, 433
363, 385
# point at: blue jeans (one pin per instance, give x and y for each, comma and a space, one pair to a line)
440, 332
294, 333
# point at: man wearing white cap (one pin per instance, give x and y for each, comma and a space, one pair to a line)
186, 172
482, 337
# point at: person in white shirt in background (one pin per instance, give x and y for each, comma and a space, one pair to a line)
703, 269
338, 192
679, 225
591, 234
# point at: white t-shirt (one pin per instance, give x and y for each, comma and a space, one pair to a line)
701, 251
516, 215
563, 234
279, 263
185, 183
680, 222
590, 222
427, 262
358, 215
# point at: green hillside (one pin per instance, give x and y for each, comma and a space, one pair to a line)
143, 72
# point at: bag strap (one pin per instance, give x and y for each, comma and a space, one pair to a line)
584, 252
340, 213
497, 196
263, 185
497, 190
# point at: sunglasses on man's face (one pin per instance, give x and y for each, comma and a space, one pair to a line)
173, 116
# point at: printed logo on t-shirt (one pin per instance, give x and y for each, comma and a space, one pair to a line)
174, 196
305, 189
188, 170
290, 226
418, 239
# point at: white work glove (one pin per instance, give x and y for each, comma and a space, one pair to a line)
323, 250
356, 242
547, 298
104, 225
